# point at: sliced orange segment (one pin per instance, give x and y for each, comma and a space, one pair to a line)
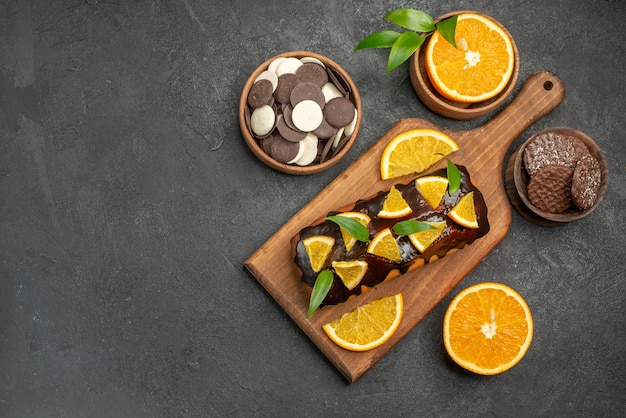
478, 68
487, 328
350, 272
318, 247
348, 239
464, 212
432, 188
394, 205
423, 239
368, 326
384, 245
414, 151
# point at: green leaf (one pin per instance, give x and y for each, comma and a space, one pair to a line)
411, 226
411, 19
454, 177
447, 29
403, 48
354, 227
320, 289
380, 39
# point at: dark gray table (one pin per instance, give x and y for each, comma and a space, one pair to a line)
129, 202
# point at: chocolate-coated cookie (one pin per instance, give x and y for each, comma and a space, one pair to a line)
586, 182
553, 148
550, 189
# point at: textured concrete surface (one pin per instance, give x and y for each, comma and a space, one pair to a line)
129, 202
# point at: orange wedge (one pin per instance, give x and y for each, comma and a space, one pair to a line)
350, 272
394, 205
414, 151
478, 68
487, 328
464, 213
318, 247
348, 239
423, 239
432, 188
368, 326
385, 245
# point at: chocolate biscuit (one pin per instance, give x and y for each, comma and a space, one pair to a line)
550, 189
586, 182
553, 148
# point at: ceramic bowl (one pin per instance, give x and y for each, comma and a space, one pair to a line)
339, 77
445, 107
517, 179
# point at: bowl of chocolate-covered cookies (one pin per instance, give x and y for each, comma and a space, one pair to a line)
560, 175
300, 112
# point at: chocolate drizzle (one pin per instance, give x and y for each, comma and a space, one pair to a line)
454, 236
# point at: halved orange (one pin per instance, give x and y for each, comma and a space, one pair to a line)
414, 151
348, 239
318, 247
350, 272
423, 239
487, 328
478, 68
464, 213
394, 205
432, 188
368, 326
384, 244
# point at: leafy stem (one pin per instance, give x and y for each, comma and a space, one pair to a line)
454, 177
354, 228
403, 45
411, 226
321, 287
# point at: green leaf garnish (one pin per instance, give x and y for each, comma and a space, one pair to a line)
404, 45
411, 226
403, 48
447, 29
354, 228
320, 289
411, 19
454, 177
380, 39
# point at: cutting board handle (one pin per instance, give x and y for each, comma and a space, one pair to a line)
541, 93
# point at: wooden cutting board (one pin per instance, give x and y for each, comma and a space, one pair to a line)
482, 151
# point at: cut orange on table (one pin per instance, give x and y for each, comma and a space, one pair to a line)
350, 272
478, 68
423, 239
414, 151
394, 205
487, 328
368, 326
384, 244
432, 188
348, 239
464, 213
318, 247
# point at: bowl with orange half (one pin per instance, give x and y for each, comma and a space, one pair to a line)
474, 77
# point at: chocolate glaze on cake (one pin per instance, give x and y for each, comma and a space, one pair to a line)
454, 236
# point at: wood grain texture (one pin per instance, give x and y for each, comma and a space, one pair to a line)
482, 150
